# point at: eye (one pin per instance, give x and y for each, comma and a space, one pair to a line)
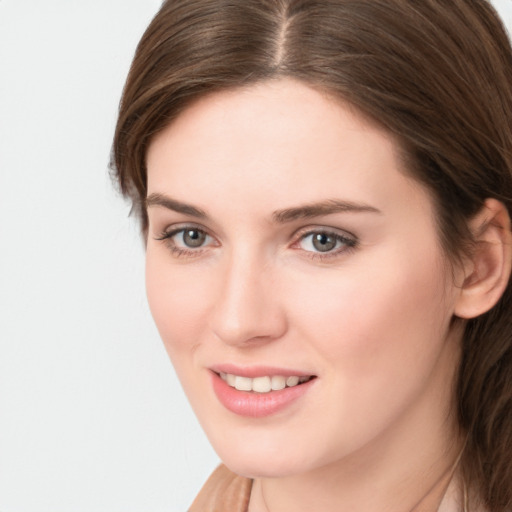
186, 241
325, 242
191, 238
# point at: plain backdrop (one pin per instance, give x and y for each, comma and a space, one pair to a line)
92, 418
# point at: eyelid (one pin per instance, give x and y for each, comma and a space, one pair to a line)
350, 241
177, 251
308, 230
173, 229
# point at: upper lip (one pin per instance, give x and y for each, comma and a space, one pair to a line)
258, 371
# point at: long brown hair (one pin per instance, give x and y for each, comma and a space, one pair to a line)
435, 73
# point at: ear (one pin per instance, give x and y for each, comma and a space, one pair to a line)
487, 271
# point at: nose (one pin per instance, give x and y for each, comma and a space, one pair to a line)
247, 307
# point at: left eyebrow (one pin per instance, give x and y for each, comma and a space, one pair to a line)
327, 207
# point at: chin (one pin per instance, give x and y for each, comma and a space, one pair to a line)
259, 467
268, 459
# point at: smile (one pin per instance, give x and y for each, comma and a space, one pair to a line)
263, 384
261, 395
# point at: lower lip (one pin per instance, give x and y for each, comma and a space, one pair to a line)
257, 405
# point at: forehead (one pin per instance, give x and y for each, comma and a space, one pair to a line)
281, 140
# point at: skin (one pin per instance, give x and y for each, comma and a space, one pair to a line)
372, 321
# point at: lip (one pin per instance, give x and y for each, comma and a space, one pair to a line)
258, 405
257, 371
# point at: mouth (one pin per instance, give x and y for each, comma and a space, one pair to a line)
263, 384
260, 392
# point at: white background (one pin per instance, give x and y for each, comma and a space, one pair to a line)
92, 417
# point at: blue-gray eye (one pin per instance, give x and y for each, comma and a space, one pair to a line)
193, 238
323, 242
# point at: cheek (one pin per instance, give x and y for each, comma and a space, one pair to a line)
379, 337
373, 318
175, 301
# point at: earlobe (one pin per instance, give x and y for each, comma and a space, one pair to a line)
488, 270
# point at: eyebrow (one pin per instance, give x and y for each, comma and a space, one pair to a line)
172, 204
327, 207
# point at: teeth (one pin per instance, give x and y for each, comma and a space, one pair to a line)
292, 381
262, 384
243, 383
278, 383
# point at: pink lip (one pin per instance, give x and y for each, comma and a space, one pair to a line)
257, 405
257, 371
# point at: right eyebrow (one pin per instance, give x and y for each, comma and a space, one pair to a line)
176, 206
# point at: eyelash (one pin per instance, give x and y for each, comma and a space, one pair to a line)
349, 243
167, 238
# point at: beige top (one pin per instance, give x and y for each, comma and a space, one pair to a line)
225, 491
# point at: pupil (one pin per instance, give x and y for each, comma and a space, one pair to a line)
193, 238
323, 242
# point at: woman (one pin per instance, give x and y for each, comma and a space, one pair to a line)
325, 192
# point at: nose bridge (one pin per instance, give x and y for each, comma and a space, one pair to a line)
247, 306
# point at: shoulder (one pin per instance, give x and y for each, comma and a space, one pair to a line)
224, 491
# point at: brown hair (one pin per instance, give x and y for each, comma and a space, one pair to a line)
436, 73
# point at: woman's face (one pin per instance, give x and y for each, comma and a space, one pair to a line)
285, 241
